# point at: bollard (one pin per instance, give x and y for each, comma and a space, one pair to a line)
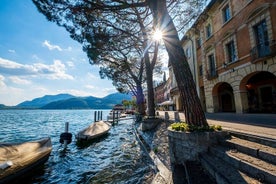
157, 113
113, 116
66, 137
117, 116
98, 115
176, 117
167, 116
95, 116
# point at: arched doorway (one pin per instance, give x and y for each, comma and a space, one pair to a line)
261, 92
224, 97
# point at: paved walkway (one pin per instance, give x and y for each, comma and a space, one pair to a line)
263, 125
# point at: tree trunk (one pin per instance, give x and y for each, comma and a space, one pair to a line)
150, 90
140, 100
194, 113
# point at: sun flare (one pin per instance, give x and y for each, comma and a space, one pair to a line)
157, 35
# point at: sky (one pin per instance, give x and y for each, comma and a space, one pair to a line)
39, 58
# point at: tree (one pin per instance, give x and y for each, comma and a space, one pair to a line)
85, 19
194, 113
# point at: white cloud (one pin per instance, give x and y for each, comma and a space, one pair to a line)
76, 92
47, 44
90, 87
2, 83
70, 64
18, 80
11, 51
10, 95
55, 71
35, 57
69, 48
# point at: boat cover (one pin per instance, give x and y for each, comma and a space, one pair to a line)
95, 130
16, 158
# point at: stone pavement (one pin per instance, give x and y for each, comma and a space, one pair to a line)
263, 125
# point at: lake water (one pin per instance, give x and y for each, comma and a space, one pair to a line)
117, 158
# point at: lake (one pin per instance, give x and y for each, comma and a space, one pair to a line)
116, 158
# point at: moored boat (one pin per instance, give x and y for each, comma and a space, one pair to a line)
19, 159
95, 130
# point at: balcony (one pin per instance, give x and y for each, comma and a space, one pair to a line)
263, 51
211, 74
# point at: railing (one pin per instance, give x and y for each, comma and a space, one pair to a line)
211, 74
266, 49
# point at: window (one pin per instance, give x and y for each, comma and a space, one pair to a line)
226, 13
208, 31
212, 65
261, 37
231, 51
198, 42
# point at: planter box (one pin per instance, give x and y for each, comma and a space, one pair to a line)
186, 146
150, 123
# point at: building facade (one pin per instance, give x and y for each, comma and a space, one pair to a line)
231, 50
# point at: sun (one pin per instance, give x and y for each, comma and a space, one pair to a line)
157, 35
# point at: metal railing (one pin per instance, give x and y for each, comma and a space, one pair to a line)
266, 49
211, 74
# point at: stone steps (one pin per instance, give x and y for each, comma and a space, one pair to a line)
224, 173
241, 159
254, 149
253, 138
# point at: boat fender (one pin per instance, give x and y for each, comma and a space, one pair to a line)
65, 137
6, 165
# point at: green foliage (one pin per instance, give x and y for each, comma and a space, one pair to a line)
155, 149
185, 127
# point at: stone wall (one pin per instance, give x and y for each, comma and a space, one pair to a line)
186, 146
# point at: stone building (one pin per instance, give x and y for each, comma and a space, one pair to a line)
233, 56
159, 91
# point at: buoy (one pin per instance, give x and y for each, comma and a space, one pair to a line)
66, 137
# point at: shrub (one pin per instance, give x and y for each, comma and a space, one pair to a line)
185, 127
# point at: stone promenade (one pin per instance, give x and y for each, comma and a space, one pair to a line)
263, 125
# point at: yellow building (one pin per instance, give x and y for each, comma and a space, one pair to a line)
231, 50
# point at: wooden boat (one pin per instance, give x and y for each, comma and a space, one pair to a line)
95, 130
18, 159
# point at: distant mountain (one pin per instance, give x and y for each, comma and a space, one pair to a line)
118, 96
2, 106
67, 101
89, 102
72, 103
42, 101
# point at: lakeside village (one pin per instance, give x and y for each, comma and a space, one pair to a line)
231, 51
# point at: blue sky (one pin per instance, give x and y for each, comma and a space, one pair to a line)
38, 58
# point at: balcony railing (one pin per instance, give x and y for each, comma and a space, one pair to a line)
211, 74
267, 49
